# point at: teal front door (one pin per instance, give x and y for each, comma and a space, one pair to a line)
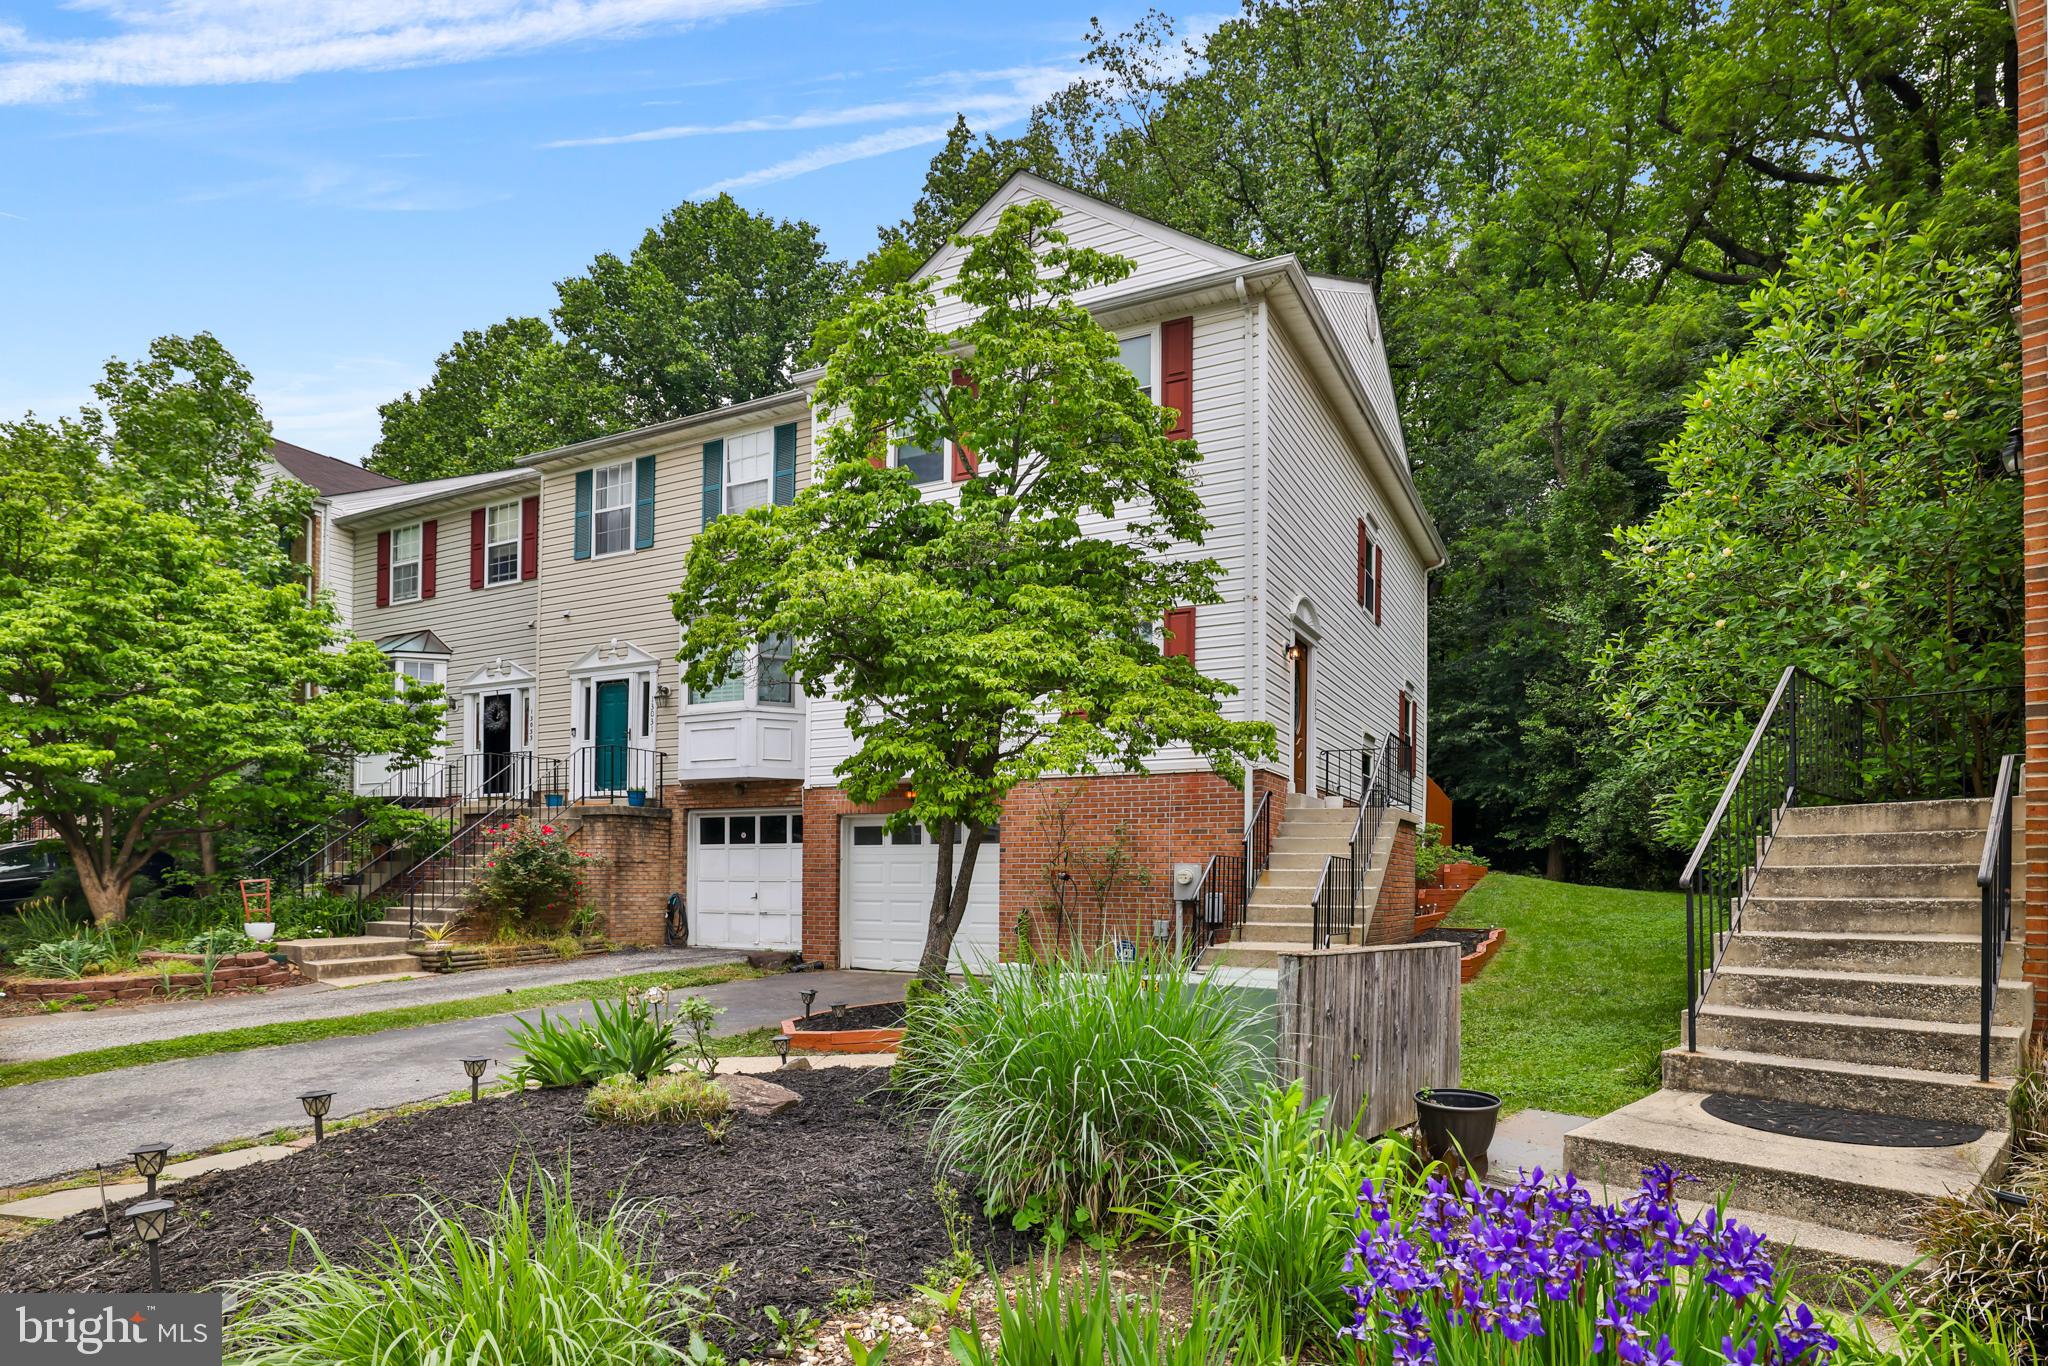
611, 767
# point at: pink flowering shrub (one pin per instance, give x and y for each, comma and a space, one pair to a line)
533, 875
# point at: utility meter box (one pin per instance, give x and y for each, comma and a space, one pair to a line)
1185, 876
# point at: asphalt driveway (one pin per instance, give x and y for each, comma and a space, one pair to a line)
51, 1127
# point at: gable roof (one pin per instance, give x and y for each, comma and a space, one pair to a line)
324, 473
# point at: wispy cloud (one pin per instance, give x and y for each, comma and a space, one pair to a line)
833, 154
158, 43
990, 97
15, 216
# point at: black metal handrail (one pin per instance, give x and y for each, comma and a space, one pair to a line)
1340, 889
1344, 773
1817, 742
613, 773
1994, 892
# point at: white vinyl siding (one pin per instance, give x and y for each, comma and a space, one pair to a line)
501, 544
406, 544
1319, 490
611, 509
1221, 342
1349, 306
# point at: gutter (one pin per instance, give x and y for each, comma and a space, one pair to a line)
598, 445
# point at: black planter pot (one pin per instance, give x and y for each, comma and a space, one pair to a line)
1457, 1122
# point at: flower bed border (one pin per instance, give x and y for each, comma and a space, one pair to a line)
234, 972
843, 1040
1470, 965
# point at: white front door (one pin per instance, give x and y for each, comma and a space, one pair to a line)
747, 879
886, 899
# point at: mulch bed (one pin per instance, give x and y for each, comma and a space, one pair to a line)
887, 1015
832, 1192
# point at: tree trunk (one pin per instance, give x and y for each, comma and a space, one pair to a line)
1553, 866
209, 864
105, 893
949, 902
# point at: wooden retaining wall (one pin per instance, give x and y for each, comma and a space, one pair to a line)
1370, 1027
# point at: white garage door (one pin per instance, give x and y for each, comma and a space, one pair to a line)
747, 879
888, 899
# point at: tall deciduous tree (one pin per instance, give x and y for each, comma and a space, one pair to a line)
982, 641
164, 674
714, 305
1839, 501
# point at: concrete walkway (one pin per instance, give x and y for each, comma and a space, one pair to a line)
52, 1127
25, 1038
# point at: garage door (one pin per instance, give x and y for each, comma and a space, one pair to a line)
888, 898
747, 879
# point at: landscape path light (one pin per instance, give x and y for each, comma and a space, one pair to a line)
809, 996
317, 1104
149, 1164
474, 1067
782, 1048
148, 1217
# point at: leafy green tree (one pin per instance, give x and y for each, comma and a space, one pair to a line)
164, 674
987, 640
1839, 501
714, 305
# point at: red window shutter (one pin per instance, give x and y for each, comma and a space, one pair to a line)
476, 550
1379, 577
1180, 633
529, 538
964, 464
1364, 557
430, 535
383, 569
1177, 374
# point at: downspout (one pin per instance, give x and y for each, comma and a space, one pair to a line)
1254, 456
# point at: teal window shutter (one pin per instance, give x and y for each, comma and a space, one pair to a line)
643, 502
583, 514
714, 480
785, 464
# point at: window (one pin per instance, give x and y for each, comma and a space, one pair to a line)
733, 688
1136, 354
501, 543
775, 685
711, 830
611, 509
926, 467
867, 834
406, 543
749, 470
415, 673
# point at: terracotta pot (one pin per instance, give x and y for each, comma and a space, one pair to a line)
1462, 876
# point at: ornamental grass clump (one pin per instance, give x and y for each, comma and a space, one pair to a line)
1073, 1090
534, 1281
1543, 1273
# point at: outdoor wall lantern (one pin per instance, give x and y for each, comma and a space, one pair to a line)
149, 1163
474, 1068
809, 996
148, 1217
782, 1048
1295, 652
317, 1104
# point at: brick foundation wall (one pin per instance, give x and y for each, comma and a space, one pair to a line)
1393, 918
1165, 818
2032, 18
632, 867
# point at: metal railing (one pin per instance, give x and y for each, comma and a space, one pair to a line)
1223, 895
1345, 773
614, 773
1817, 742
1994, 892
1333, 911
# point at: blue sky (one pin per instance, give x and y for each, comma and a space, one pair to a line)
336, 188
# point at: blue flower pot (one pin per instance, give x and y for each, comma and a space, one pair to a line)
553, 799
635, 797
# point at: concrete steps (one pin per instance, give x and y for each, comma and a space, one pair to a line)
1851, 1187
1851, 982
350, 957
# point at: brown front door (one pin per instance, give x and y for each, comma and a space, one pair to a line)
1300, 716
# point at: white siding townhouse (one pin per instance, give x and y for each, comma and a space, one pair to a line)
540, 597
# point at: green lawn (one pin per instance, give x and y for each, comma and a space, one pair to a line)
1583, 996
375, 1022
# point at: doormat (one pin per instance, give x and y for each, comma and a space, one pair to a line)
1797, 1120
